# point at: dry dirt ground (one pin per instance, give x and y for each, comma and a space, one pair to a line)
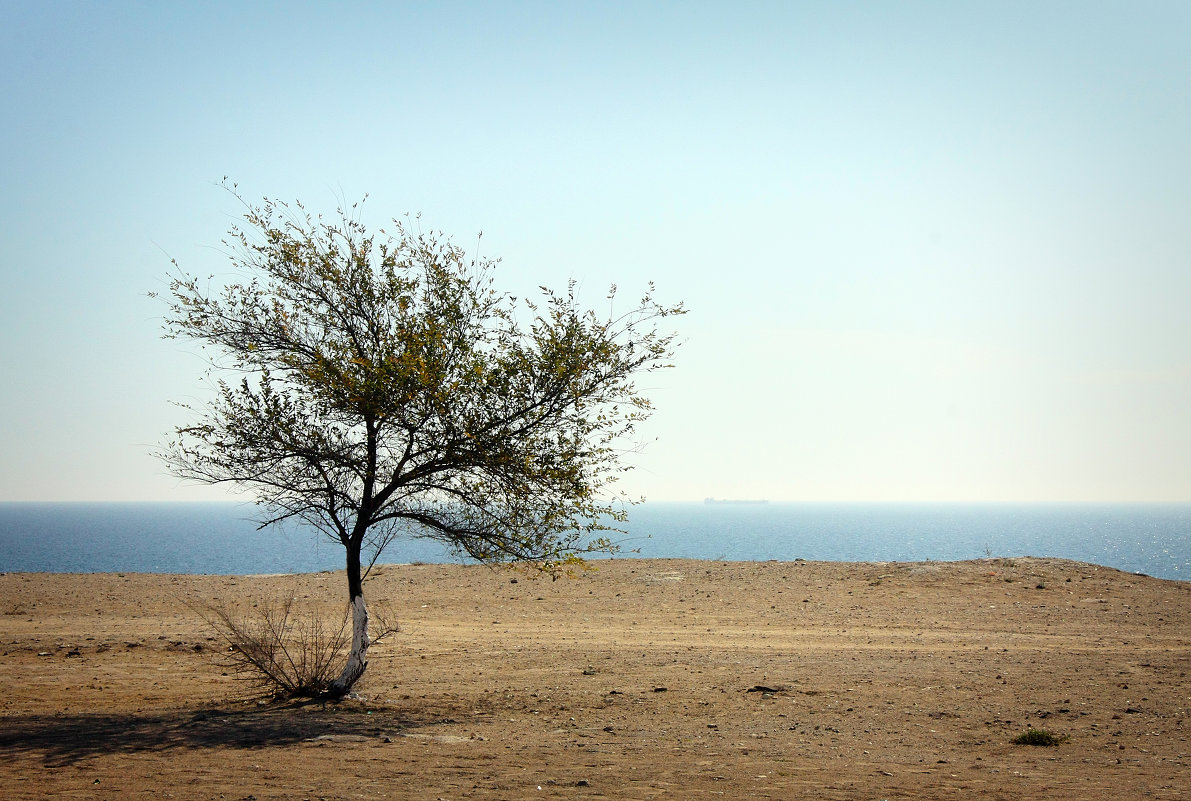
642, 679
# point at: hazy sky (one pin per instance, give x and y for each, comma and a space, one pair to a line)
932, 251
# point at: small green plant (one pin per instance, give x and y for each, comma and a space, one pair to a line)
1038, 737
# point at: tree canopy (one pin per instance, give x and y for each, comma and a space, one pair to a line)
387, 388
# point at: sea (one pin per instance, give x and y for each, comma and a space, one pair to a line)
222, 538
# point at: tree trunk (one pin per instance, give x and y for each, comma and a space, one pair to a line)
357, 659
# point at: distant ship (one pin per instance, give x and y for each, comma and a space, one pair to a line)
733, 500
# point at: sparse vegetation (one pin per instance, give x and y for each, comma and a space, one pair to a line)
1038, 737
287, 651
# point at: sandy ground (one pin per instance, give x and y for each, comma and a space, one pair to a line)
643, 679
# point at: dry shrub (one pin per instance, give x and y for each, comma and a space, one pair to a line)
287, 651
1039, 737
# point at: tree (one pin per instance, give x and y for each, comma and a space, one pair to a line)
387, 389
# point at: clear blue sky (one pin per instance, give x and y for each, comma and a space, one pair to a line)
932, 251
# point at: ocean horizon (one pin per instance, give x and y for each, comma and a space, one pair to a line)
222, 538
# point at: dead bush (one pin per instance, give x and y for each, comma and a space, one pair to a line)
288, 651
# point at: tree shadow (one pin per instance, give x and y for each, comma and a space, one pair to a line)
67, 739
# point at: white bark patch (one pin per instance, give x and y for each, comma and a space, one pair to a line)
357, 660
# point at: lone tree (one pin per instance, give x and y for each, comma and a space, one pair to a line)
387, 389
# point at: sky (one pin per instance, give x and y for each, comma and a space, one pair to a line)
931, 251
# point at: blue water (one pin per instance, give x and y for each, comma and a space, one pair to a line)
222, 539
